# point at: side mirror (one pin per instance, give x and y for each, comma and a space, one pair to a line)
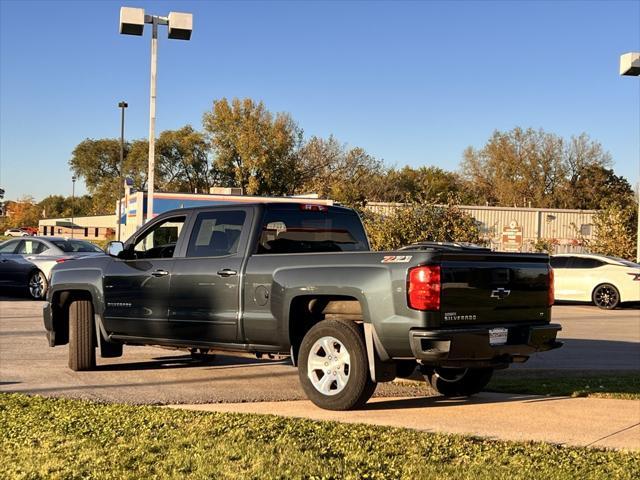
114, 249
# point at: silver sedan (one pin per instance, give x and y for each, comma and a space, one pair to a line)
27, 262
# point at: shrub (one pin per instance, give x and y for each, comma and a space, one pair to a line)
416, 223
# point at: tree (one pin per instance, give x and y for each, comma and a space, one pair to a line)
348, 175
594, 186
22, 213
98, 163
182, 161
253, 149
181, 165
55, 206
615, 231
421, 185
531, 166
417, 223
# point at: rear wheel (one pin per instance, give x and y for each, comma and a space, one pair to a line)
37, 285
458, 382
333, 366
606, 296
82, 350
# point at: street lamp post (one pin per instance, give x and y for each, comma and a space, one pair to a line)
122, 106
180, 25
73, 205
630, 66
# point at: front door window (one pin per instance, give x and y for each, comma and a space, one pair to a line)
160, 241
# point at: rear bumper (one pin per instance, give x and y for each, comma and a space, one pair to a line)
470, 347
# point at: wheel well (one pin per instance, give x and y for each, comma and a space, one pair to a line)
60, 311
307, 310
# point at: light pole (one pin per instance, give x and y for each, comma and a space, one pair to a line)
630, 66
122, 106
180, 25
73, 204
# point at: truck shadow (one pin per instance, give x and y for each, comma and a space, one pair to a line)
213, 362
381, 404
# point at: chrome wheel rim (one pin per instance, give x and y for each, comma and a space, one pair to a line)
451, 375
37, 285
329, 366
606, 297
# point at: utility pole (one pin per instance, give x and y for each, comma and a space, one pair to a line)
122, 106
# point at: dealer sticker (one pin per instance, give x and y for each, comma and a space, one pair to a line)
397, 258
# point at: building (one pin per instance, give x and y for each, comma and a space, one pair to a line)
101, 227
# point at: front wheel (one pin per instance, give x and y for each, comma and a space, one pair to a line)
458, 382
333, 366
606, 296
82, 347
37, 285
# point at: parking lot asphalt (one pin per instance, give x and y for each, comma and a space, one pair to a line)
594, 340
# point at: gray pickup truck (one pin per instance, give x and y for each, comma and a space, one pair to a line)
300, 280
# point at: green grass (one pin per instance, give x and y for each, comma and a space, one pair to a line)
621, 385
56, 438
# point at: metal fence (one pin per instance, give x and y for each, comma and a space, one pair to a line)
565, 228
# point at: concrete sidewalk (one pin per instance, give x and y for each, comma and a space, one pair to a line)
594, 422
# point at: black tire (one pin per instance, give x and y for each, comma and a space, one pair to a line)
606, 296
458, 382
38, 285
358, 387
82, 349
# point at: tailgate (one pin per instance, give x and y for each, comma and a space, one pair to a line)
494, 287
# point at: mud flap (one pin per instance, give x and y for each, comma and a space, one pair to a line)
379, 370
107, 349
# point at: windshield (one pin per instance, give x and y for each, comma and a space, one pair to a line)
71, 246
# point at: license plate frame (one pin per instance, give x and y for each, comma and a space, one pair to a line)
498, 336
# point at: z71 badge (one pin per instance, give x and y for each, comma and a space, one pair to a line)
397, 259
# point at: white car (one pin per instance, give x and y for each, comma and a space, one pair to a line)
605, 281
16, 232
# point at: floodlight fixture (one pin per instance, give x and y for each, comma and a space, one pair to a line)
630, 64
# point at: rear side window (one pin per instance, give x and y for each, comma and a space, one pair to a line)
559, 262
9, 247
31, 247
216, 234
578, 262
302, 231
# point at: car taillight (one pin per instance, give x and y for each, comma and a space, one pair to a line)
551, 287
62, 260
423, 288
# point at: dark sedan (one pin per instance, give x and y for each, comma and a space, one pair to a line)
27, 262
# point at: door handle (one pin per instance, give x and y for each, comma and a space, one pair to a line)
160, 273
227, 272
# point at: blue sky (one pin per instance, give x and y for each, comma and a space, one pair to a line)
414, 83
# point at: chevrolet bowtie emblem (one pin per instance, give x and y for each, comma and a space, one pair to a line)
500, 293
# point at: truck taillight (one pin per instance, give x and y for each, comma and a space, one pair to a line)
423, 288
310, 207
551, 287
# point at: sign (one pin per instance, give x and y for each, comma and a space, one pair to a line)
512, 237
